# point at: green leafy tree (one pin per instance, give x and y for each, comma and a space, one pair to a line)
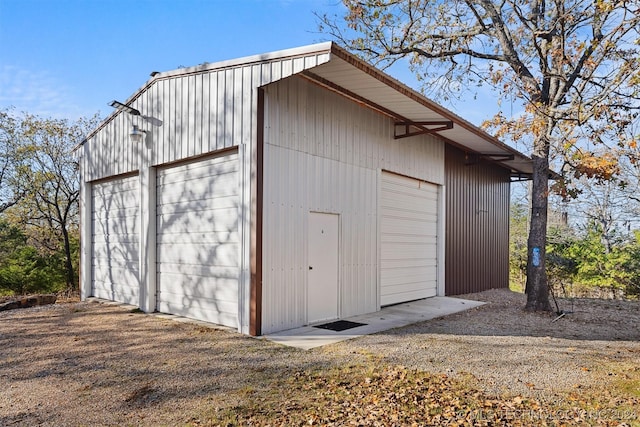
595, 266
600, 266
10, 155
561, 267
23, 269
518, 224
48, 170
573, 64
631, 266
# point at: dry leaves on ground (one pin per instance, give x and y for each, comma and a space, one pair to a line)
382, 395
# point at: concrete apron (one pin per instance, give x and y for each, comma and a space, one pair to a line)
394, 316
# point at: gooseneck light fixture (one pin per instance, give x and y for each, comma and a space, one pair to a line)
136, 134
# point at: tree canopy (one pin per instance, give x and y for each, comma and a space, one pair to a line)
40, 194
574, 65
10, 155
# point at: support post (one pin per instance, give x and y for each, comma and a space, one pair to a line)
86, 232
147, 255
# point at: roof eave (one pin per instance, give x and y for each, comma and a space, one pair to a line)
336, 51
417, 97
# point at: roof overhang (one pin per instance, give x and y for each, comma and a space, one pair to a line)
414, 114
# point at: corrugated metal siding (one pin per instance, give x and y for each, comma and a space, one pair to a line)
105, 156
296, 184
324, 153
188, 115
477, 225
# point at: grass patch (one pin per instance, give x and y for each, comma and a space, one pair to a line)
626, 379
617, 392
516, 286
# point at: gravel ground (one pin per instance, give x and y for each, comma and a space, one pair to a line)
516, 352
97, 364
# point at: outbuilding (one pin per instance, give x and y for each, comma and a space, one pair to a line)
290, 188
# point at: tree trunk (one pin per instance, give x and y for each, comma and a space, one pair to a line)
537, 289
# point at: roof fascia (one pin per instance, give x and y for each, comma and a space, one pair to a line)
319, 48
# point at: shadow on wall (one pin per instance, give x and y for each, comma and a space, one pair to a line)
115, 240
198, 244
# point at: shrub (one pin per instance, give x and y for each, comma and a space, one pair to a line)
22, 269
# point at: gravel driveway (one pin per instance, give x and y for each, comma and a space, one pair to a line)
97, 364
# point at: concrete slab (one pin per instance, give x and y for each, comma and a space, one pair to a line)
308, 337
391, 317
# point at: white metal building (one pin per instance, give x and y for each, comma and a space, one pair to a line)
272, 191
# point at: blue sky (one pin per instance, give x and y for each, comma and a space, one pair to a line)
69, 58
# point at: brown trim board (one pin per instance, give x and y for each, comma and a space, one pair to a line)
255, 303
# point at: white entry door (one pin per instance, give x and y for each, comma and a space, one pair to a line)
322, 295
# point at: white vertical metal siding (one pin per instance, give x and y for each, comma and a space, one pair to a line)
197, 239
193, 112
115, 240
302, 116
323, 153
296, 184
190, 114
408, 239
110, 152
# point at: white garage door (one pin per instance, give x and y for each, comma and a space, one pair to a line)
115, 240
197, 240
409, 220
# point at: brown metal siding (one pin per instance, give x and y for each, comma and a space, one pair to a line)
477, 224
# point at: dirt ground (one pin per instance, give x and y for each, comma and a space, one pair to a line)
98, 364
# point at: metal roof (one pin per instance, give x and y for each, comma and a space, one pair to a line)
338, 70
